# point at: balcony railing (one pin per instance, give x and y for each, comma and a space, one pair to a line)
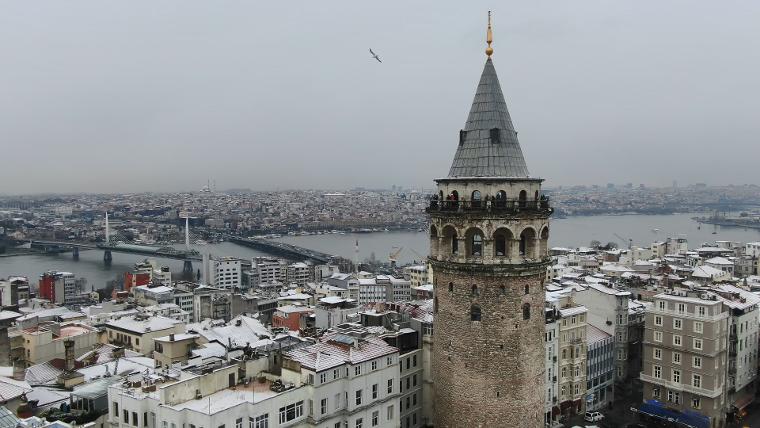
494, 205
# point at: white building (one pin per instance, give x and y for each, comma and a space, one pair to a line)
226, 272
608, 311
298, 273
267, 270
352, 381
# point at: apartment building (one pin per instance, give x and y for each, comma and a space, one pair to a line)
551, 362
226, 272
600, 383
608, 311
685, 353
352, 380
267, 270
298, 273
572, 352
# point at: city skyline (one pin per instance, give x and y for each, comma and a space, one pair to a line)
157, 98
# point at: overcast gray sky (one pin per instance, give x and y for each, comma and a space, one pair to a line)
123, 96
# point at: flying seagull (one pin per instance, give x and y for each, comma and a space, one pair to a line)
374, 55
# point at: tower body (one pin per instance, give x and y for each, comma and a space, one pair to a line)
488, 249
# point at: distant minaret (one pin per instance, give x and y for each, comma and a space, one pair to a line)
488, 248
356, 257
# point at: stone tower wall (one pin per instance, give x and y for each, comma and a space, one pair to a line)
489, 373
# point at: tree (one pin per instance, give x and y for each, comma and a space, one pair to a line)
595, 244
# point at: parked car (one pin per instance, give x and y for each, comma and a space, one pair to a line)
593, 416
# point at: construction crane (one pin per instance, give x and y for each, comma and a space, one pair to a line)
422, 258
393, 256
629, 241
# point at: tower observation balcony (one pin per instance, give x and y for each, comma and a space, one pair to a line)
496, 206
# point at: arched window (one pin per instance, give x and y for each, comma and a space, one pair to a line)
523, 198
476, 199
474, 290
527, 242
474, 313
500, 201
450, 241
536, 196
455, 195
501, 238
473, 242
477, 245
503, 289
451, 287
527, 289
526, 311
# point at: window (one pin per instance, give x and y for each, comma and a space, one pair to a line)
165, 424
323, 406
414, 360
657, 372
701, 311
674, 396
657, 320
526, 311
291, 412
661, 305
696, 380
681, 308
374, 392
390, 386
358, 397
359, 423
238, 423
357, 370
658, 336
451, 287
696, 403
698, 344
657, 354
698, 327
655, 392
336, 374
474, 313
134, 418
374, 365
322, 377
564, 371
116, 409
676, 340
677, 323
697, 362
375, 418
676, 376
527, 289
389, 412
676, 358
261, 421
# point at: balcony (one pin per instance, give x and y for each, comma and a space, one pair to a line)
508, 206
682, 386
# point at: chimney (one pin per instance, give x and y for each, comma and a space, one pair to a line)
68, 346
117, 353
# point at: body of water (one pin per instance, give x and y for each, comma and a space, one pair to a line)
569, 232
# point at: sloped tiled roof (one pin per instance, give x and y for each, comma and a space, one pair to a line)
477, 155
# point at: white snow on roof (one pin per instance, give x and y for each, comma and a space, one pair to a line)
131, 324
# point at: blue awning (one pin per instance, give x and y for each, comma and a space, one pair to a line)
687, 418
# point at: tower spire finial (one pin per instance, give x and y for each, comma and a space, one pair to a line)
489, 37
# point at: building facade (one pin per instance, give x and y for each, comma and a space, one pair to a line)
488, 251
684, 354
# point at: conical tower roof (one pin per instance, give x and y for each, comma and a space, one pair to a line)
483, 151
